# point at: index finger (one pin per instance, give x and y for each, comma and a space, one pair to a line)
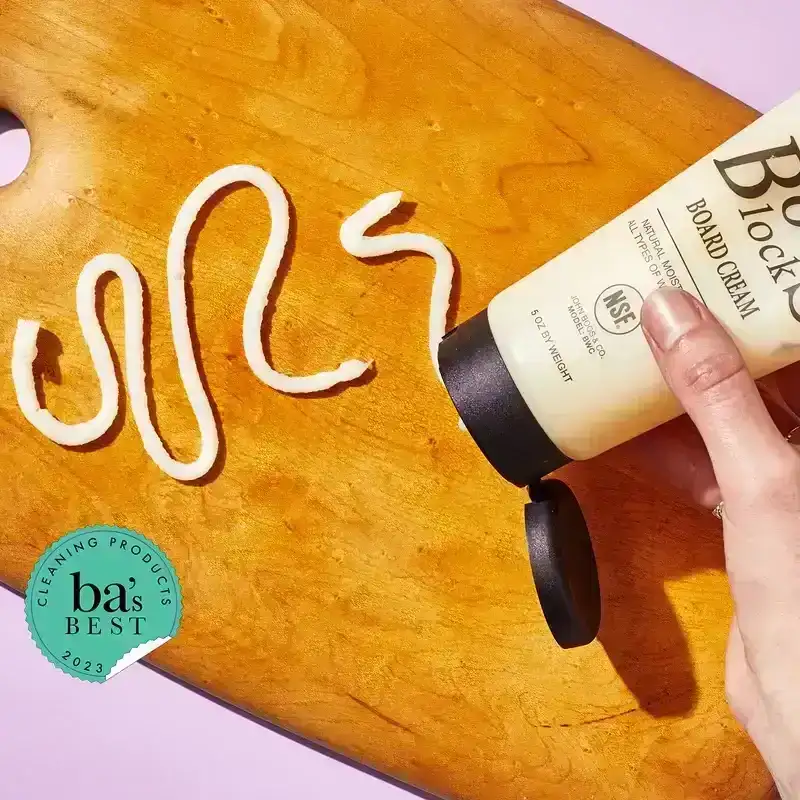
704, 368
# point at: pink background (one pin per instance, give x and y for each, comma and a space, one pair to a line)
149, 737
746, 47
142, 736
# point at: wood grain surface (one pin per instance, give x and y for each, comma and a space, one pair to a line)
353, 569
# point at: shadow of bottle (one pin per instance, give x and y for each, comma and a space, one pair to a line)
644, 537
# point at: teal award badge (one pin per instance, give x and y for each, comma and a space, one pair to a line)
101, 598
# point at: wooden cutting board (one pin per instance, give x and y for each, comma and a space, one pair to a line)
354, 570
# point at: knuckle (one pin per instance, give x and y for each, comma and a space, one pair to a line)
711, 372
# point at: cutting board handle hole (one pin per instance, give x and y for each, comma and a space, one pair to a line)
15, 147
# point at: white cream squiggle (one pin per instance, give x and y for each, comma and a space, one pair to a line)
24, 353
259, 297
84, 432
24, 350
354, 239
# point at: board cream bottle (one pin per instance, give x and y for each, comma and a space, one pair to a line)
557, 369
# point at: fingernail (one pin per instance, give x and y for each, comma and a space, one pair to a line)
669, 314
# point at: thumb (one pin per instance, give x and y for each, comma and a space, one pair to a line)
702, 365
757, 470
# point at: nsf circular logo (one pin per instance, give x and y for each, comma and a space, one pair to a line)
618, 309
101, 598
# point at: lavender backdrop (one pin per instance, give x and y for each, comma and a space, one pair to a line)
745, 47
152, 738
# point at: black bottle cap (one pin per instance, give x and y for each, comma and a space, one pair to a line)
563, 563
498, 419
491, 406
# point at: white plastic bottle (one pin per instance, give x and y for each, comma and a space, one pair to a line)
580, 378
557, 368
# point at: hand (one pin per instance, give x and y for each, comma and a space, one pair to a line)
757, 475
674, 453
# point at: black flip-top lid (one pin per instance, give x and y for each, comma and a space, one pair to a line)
503, 426
563, 563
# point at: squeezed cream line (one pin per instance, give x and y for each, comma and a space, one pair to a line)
354, 240
24, 350
81, 433
259, 297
